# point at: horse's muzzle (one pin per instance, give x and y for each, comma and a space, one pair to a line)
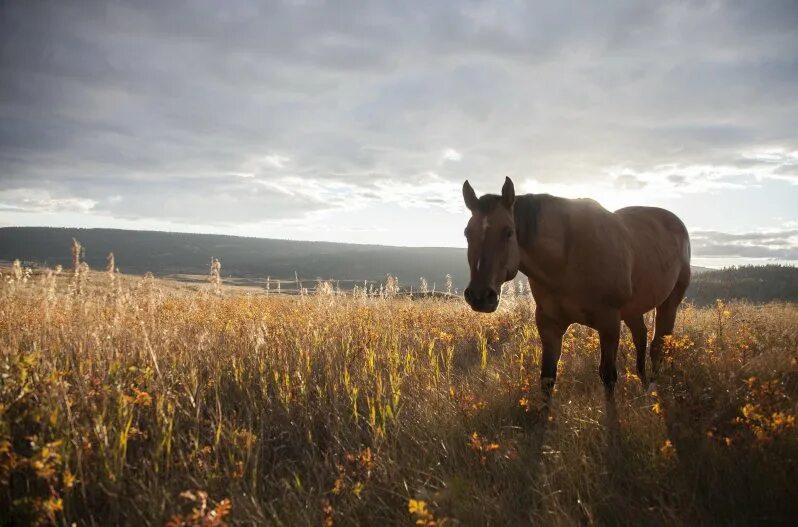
483, 300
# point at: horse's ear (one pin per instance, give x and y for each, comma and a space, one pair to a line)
470, 197
508, 193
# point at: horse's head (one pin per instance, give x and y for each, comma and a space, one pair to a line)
492, 246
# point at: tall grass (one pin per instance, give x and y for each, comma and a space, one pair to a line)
134, 401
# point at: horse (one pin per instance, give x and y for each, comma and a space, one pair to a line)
585, 265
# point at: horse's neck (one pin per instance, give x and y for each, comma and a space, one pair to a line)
541, 244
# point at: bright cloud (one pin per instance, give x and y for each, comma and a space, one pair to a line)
450, 154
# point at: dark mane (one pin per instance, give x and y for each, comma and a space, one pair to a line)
526, 210
488, 202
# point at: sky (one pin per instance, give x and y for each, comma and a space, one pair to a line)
358, 121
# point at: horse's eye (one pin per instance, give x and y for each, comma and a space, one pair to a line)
467, 232
508, 233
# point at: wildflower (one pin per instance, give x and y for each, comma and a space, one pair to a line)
142, 398
423, 516
338, 486
667, 449
327, 511
782, 420
202, 514
446, 338
366, 458
357, 489
69, 479
244, 438
54, 505
481, 447
417, 507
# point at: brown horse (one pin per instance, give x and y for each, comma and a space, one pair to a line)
585, 265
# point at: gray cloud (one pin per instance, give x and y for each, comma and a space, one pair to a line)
148, 109
781, 245
677, 179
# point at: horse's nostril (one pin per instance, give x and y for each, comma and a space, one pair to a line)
492, 295
468, 294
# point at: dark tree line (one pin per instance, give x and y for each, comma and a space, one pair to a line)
755, 283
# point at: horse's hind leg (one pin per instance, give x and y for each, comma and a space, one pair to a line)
637, 326
665, 319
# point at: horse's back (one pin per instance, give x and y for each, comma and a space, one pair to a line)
661, 252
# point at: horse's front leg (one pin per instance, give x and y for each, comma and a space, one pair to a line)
609, 328
551, 331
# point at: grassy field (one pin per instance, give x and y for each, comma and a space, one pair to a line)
134, 401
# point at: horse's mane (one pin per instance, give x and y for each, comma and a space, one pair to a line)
526, 210
488, 202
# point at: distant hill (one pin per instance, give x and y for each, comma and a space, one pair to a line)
169, 253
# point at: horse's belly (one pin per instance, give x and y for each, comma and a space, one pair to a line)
640, 304
650, 291
569, 309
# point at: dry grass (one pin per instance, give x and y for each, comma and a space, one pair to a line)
131, 401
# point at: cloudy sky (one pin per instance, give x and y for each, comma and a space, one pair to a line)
358, 121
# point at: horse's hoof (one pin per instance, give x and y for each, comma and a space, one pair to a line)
547, 387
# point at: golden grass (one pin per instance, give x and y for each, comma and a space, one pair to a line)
131, 401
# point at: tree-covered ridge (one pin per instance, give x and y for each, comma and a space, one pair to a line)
755, 283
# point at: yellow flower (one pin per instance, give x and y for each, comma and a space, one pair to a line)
417, 507
69, 479
780, 419
667, 449
338, 486
424, 517
54, 505
142, 398
357, 489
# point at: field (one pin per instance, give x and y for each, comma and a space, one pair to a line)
134, 401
